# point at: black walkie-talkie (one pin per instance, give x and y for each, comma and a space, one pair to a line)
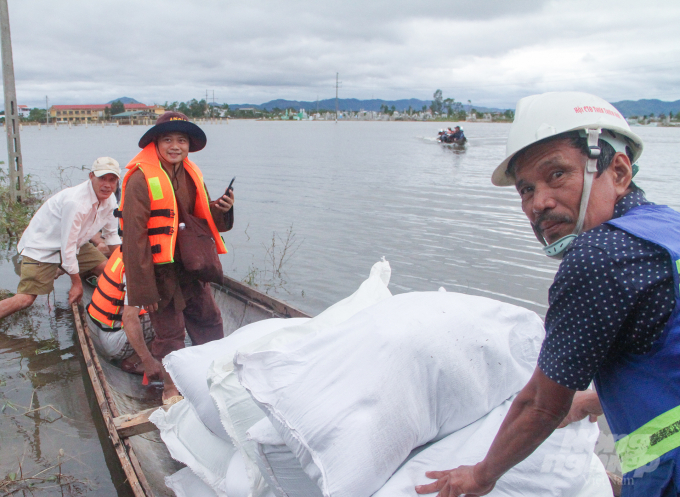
230, 187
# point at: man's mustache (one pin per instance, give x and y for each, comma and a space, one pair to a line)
551, 217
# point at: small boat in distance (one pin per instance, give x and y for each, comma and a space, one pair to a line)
454, 137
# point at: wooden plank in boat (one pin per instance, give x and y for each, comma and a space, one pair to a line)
129, 425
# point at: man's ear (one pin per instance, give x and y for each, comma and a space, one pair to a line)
91, 175
622, 172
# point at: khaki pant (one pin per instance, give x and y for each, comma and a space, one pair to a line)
37, 278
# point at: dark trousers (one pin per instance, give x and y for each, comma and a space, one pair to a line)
201, 317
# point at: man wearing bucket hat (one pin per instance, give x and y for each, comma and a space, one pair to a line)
614, 315
59, 233
161, 184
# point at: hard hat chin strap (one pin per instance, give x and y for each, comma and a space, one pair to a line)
556, 249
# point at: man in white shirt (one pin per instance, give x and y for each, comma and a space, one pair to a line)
58, 237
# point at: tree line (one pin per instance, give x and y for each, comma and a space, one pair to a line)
196, 108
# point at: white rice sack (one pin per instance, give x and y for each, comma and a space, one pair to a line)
278, 464
354, 401
237, 410
238, 484
597, 482
191, 443
560, 467
186, 484
188, 367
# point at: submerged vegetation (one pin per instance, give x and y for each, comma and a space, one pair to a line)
278, 254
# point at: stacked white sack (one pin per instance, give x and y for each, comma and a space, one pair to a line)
186, 484
354, 401
278, 464
563, 466
207, 456
238, 412
188, 367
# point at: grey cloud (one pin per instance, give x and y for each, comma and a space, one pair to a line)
492, 52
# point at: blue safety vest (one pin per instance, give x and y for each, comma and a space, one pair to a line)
640, 393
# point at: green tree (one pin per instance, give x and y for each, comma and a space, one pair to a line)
437, 102
183, 108
117, 107
170, 107
448, 104
509, 114
196, 108
37, 115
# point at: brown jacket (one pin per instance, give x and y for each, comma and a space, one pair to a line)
148, 283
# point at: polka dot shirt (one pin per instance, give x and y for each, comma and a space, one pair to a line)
613, 294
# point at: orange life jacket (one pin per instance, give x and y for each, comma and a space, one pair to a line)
163, 221
108, 298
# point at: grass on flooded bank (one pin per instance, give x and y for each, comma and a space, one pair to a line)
15, 216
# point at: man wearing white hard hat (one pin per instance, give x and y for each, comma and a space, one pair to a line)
59, 234
614, 315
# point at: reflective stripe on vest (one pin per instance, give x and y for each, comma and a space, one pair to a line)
640, 393
108, 299
650, 441
162, 227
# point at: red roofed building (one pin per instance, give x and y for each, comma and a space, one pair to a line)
95, 112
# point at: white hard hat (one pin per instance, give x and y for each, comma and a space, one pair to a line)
541, 116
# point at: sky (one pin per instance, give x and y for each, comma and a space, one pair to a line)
491, 52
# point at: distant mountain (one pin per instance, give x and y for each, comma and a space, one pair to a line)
351, 104
125, 100
628, 108
646, 107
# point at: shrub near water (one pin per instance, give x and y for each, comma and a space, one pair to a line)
15, 216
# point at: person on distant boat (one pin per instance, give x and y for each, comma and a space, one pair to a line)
58, 237
614, 315
160, 177
458, 135
117, 334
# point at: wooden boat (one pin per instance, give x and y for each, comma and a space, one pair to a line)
126, 404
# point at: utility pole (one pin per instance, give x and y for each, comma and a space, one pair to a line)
15, 164
337, 85
47, 110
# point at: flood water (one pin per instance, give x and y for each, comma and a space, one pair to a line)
350, 193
